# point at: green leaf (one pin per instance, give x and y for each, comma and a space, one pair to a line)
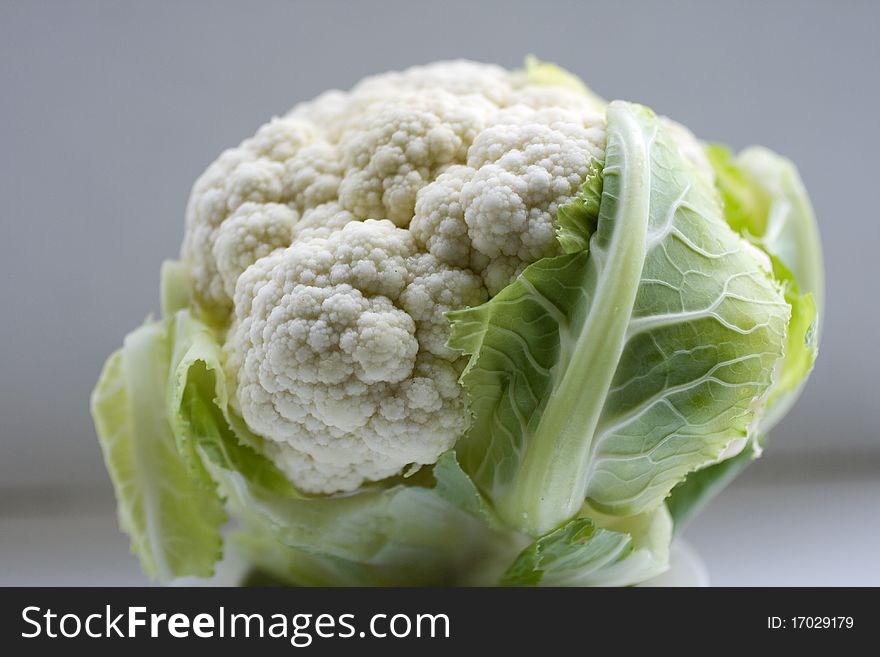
172, 519
608, 375
274, 563
688, 498
596, 551
746, 205
398, 536
576, 220
791, 233
784, 226
801, 349
175, 287
202, 421
765, 201
693, 494
162, 415
453, 485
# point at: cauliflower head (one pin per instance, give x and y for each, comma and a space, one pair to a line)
329, 246
461, 325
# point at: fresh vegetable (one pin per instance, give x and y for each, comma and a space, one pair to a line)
461, 326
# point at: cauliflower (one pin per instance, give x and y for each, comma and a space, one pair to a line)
338, 355
461, 325
330, 245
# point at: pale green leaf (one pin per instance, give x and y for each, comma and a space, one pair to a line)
596, 551
403, 535
173, 520
576, 220
175, 287
608, 375
201, 418
765, 200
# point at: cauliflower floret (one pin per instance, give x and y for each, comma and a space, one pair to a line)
252, 232
322, 220
336, 112
312, 176
329, 247
402, 145
500, 271
438, 224
496, 215
392, 149
251, 173
433, 291
281, 139
335, 340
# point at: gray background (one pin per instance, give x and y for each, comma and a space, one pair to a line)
109, 111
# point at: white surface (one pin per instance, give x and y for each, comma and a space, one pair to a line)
756, 533
81, 547
825, 533
686, 568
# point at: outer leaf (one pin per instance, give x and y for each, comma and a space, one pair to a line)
175, 287
172, 520
453, 485
274, 563
201, 419
801, 348
596, 551
746, 205
765, 201
781, 223
612, 375
404, 535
